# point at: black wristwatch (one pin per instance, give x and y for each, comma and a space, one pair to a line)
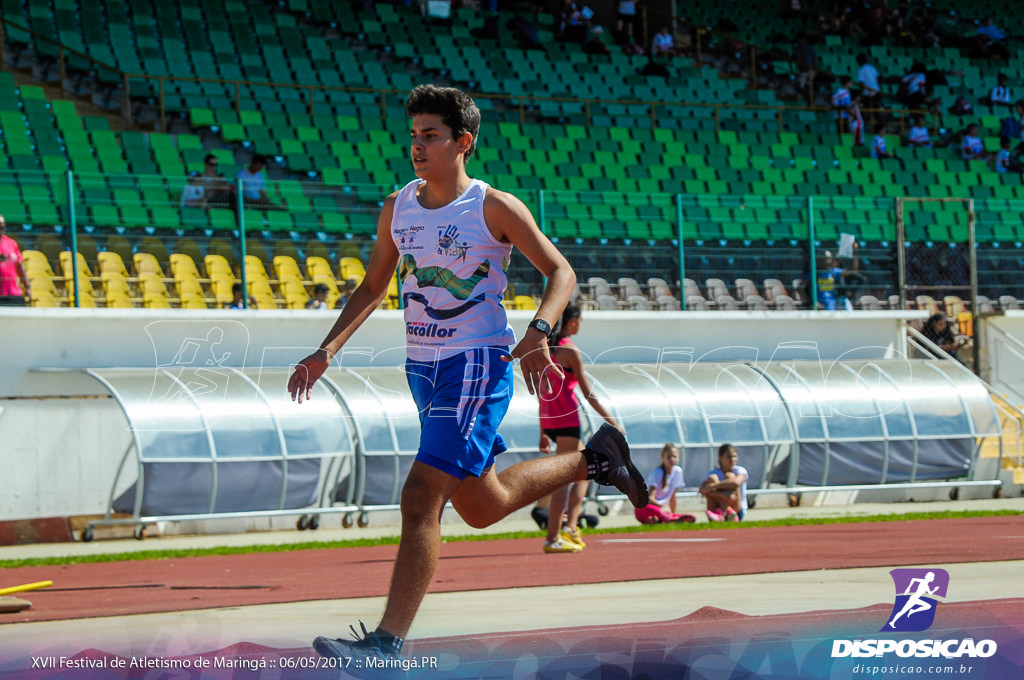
541, 325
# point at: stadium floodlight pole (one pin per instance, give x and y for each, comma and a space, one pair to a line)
682, 262
812, 304
241, 240
72, 224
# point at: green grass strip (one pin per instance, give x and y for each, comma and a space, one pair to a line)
393, 540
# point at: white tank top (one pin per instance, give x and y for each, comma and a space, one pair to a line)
452, 275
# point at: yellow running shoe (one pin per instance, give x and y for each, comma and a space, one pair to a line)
573, 535
560, 545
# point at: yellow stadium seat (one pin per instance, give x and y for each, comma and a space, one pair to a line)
254, 269
262, 294
193, 301
36, 261
287, 269
189, 286
525, 302
318, 266
217, 266
295, 294
44, 299
85, 279
109, 261
183, 267
146, 263
351, 268
154, 292
65, 265
116, 290
42, 286
221, 286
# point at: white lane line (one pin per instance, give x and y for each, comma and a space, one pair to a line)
660, 540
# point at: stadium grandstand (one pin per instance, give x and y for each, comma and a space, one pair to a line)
725, 182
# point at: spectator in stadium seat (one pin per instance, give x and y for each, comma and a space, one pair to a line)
194, 193
919, 137
12, 270
870, 91
912, 89
1000, 95
856, 118
725, 488
1002, 160
319, 299
992, 40
878, 145
841, 103
254, 185
830, 279
346, 294
663, 44
594, 44
626, 21
236, 302
937, 329
971, 147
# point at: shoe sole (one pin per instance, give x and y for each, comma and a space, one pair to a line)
327, 648
609, 437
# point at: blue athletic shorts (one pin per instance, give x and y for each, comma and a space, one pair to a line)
461, 401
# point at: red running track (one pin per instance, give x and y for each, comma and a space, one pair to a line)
135, 587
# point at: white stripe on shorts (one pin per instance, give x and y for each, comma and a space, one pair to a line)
477, 362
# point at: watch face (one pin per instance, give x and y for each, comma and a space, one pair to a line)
541, 325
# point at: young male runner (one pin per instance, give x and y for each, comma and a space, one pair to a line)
453, 237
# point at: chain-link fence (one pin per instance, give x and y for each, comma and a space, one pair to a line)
158, 241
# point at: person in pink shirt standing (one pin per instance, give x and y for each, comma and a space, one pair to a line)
560, 425
12, 269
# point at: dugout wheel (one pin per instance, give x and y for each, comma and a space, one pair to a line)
751, 502
346, 520
364, 519
139, 532
602, 509
997, 492
305, 522
954, 493
87, 534
794, 499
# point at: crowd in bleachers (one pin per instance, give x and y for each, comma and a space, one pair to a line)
609, 175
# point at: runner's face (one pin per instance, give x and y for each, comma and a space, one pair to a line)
433, 149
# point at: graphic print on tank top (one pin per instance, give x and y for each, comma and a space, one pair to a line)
452, 273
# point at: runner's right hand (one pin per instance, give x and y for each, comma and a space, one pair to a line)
307, 372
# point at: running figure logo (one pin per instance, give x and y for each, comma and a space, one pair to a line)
914, 609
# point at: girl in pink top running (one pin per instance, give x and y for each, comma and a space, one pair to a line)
560, 424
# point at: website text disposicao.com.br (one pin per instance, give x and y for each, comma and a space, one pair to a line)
959, 657
905, 670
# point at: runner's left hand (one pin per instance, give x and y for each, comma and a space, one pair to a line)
535, 361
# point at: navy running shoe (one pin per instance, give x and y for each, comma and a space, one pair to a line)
609, 442
365, 656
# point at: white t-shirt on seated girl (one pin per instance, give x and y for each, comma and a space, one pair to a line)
662, 494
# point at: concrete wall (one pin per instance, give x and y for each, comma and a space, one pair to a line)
62, 437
